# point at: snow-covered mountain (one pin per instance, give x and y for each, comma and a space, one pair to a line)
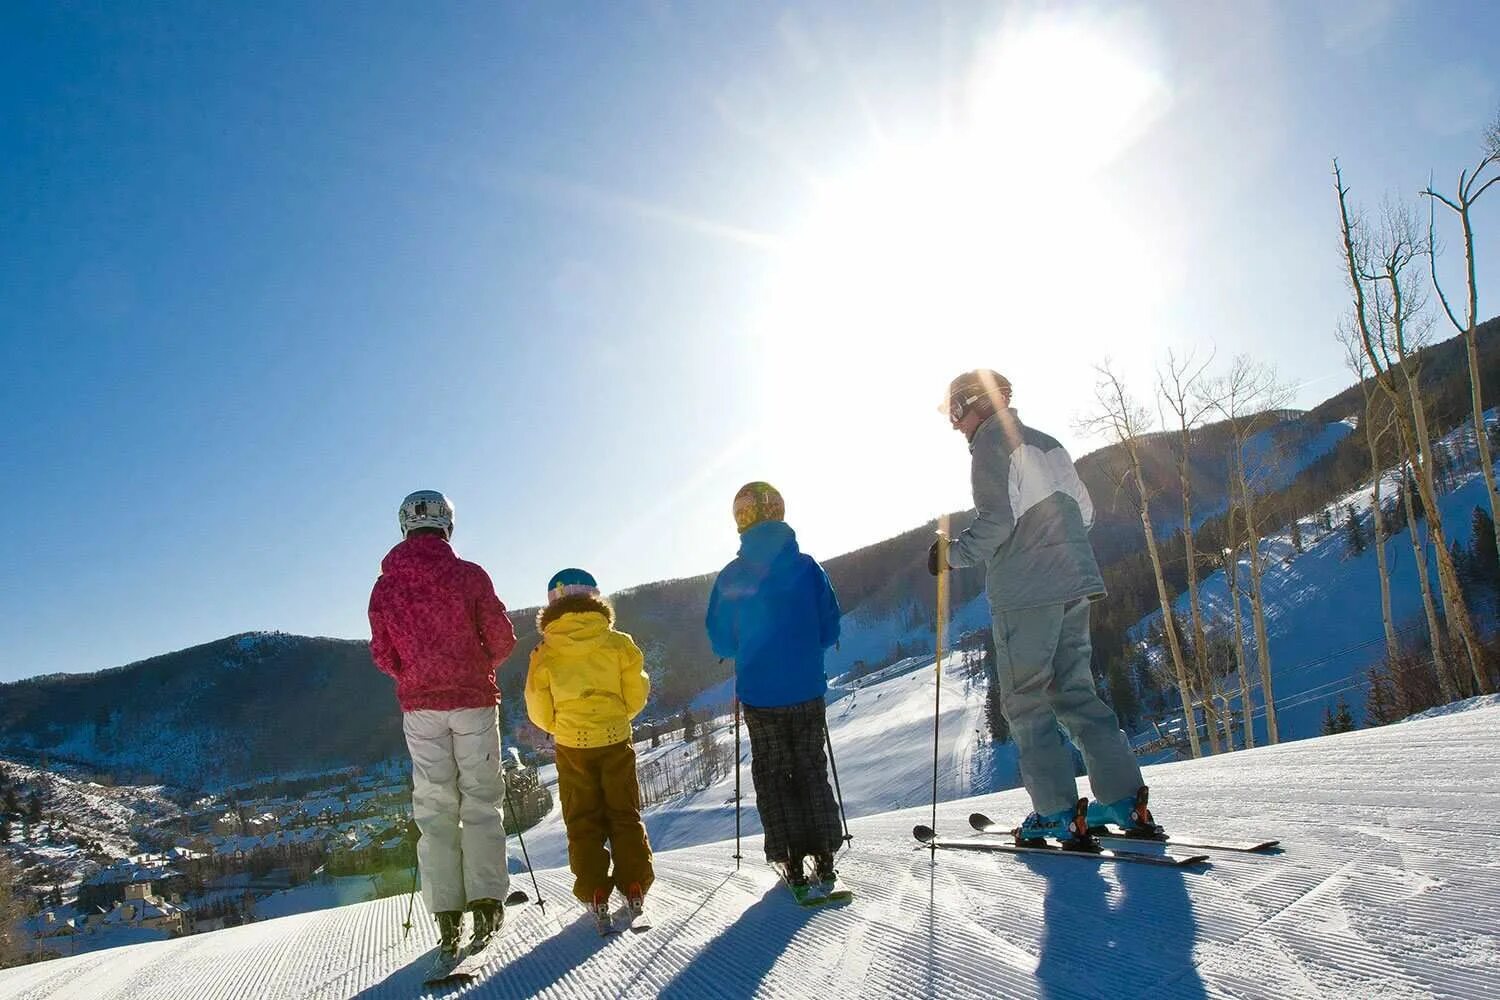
1323, 602
1384, 890
260, 703
85, 823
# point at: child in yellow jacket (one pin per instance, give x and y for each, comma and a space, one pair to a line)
585, 683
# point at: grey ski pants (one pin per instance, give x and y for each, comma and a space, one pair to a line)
1043, 667
457, 790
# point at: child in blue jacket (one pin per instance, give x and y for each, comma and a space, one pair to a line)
774, 613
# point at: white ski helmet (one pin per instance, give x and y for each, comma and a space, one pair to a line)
426, 509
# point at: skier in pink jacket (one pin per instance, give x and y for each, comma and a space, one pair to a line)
437, 627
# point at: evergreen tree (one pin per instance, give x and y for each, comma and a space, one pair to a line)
1409, 484
4, 829
13, 942
34, 806
1328, 722
1461, 563
1122, 693
1482, 552
1297, 535
689, 725
1343, 719
1354, 532
1381, 703
994, 717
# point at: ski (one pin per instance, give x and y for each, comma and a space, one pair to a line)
442, 971
1189, 840
982, 823
639, 921
606, 926
467, 964
926, 836
833, 898
808, 897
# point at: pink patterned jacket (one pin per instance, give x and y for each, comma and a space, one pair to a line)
437, 627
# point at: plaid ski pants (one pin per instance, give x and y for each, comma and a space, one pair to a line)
797, 809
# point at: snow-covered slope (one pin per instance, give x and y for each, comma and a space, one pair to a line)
1388, 887
882, 742
1323, 603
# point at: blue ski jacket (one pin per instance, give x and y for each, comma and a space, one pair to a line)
773, 612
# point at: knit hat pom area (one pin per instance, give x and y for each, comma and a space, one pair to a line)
569, 582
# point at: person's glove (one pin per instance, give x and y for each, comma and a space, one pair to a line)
937, 556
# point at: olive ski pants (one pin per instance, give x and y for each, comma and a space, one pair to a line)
601, 808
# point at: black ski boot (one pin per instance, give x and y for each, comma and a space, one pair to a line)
489, 915
823, 870
450, 929
796, 878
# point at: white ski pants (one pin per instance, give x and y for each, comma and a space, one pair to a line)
1043, 659
457, 792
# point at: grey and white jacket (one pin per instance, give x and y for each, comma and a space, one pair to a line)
1032, 519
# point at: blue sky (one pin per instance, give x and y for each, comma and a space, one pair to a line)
587, 268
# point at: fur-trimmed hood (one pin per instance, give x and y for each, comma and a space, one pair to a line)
575, 604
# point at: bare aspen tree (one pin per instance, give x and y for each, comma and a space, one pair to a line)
1226, 715
1399, 413
1232, 575
1402, 317
1424, 582
1251, 399
1470, 186
1179, 388
1374, 427
1406, 362
1120, 418
1390, 344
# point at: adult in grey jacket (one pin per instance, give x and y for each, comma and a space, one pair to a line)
1031, 533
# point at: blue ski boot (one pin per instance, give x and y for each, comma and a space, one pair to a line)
1069, 826
1132, 815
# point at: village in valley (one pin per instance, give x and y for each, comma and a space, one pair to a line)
101, 864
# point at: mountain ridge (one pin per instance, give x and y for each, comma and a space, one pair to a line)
353, 717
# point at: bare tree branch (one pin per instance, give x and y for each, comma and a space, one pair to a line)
1432, 256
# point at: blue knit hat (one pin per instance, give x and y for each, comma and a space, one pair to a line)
567, 582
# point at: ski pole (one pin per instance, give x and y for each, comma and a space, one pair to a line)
505, 783
737, 854
937, 675
411, 901
848, 837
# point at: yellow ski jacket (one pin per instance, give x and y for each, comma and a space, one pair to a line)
586, 681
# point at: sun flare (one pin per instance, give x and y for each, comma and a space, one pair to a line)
950, 250
969, 244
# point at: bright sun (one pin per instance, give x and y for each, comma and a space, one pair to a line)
966, 246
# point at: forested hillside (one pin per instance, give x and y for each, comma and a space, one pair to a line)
260, 703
